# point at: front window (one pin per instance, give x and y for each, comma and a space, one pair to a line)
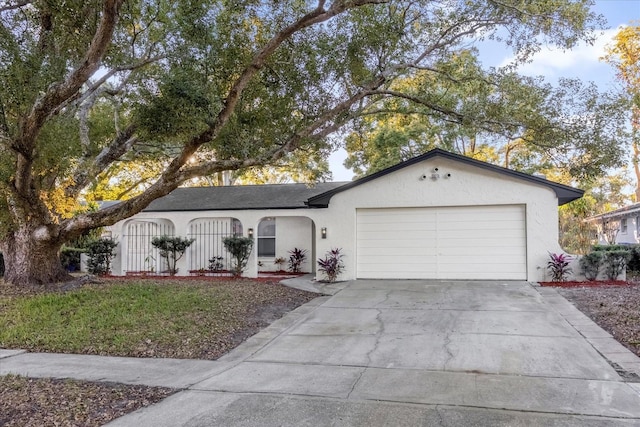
623, 225
267, 237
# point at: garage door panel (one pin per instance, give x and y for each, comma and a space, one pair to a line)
387, 236
367, 253
479, 242
469, 253
408, 271
492, 225
408, 243
396, 216
509, 238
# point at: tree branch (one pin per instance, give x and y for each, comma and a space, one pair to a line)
91, 168
172, 177
58, 93
17, 5
318, 15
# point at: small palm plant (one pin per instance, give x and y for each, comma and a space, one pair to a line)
558, 265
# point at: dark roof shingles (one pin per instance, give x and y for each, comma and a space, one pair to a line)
270, 196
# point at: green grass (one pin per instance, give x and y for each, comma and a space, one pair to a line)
134, 318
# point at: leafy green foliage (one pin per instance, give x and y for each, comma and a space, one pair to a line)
101, 252
70, 258
495, 116
634, 261
240, 249
602, 194
590, 264
171, 248
332, 264
615, 262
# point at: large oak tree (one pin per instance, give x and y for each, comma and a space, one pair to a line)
206, 86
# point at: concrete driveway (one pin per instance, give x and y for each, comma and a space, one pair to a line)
414, 353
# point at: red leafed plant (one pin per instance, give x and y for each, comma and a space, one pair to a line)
558, 265
332, 264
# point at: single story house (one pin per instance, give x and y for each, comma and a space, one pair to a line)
620, 226
436, 216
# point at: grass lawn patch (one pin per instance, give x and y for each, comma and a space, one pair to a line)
200, 319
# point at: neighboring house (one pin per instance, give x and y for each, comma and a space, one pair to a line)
436, 216
621, 226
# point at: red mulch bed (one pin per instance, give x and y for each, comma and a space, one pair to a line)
574, 284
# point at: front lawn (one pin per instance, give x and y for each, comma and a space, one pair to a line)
175, 318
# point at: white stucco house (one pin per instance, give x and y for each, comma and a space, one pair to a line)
620, 226
436, 216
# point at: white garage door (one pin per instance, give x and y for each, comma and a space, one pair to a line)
475, 242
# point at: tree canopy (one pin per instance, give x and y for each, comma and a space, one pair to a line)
205, 86
496, 116
624, 55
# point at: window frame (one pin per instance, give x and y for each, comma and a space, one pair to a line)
262, 237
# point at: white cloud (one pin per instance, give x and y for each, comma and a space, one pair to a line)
554, 61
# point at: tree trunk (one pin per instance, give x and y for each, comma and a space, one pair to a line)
29, 261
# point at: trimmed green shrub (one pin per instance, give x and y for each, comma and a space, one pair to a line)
634, 261
171, 248
609, 248
240, 249
100, 255
70, 258
615, 262
590, 264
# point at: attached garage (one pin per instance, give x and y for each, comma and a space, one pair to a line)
458, 242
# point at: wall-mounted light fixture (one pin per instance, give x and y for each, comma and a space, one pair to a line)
250, 232
323, 232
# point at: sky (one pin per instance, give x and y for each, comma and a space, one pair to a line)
581, 62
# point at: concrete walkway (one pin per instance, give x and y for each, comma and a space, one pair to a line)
415, 353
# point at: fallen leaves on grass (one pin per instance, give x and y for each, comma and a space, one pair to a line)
36, 402
187, 319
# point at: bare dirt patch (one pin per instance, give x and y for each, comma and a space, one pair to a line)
615, 307
36, 402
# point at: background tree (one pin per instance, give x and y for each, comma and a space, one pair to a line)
602, 194
624, 55
495, 116
206, 86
